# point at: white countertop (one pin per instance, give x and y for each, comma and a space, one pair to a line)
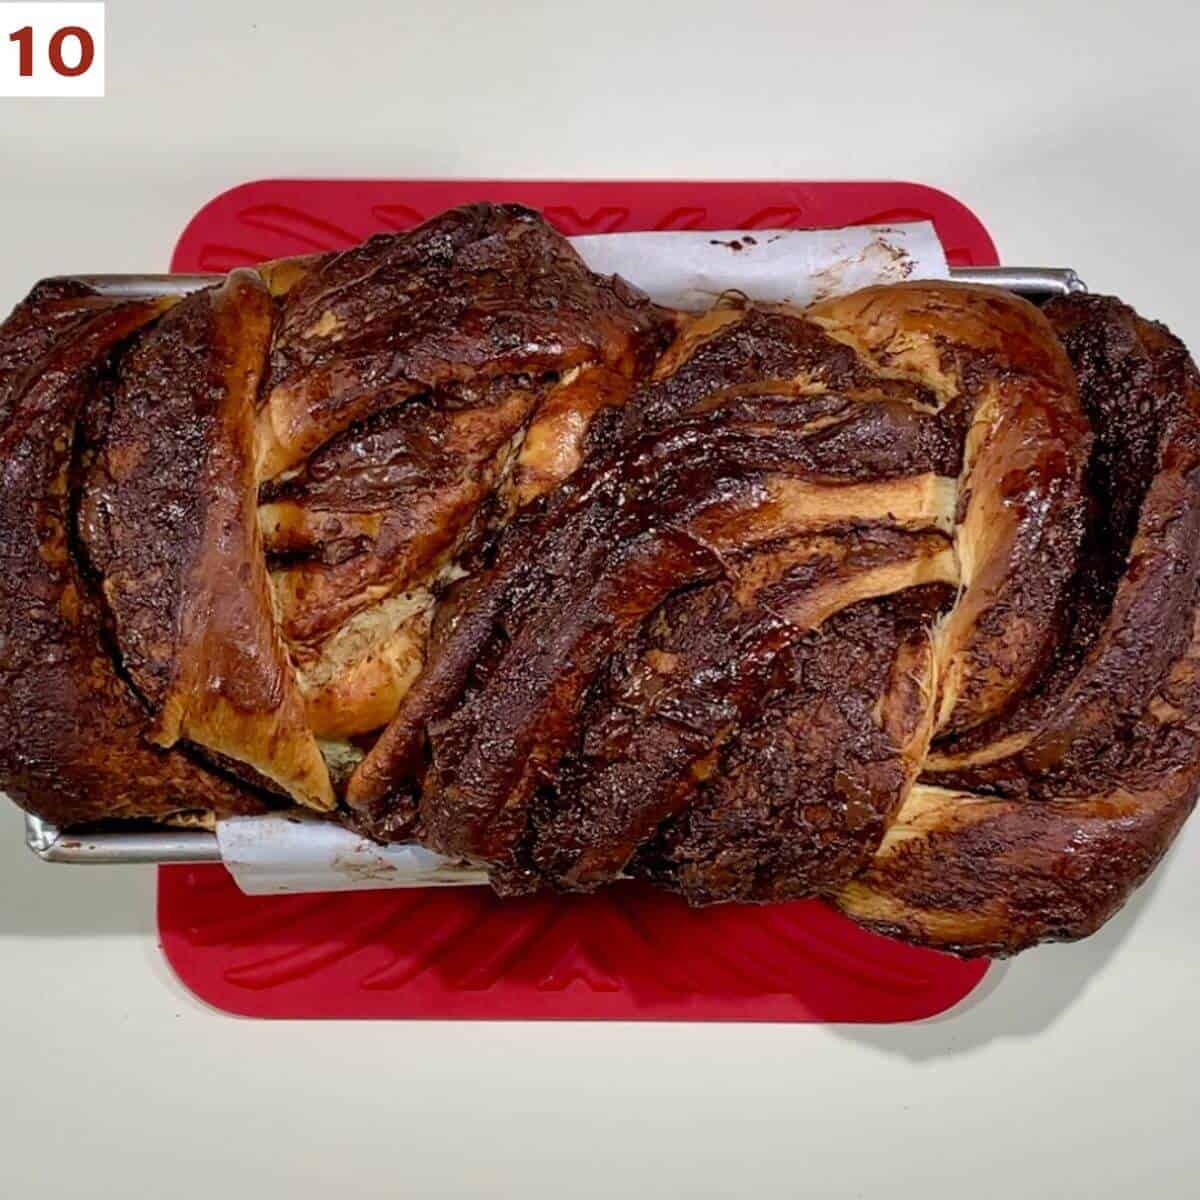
1073, 1072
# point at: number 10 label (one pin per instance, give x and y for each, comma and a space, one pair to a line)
51, 49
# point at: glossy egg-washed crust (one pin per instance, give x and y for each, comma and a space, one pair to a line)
891, 601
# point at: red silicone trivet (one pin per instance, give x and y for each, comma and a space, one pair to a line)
628, 953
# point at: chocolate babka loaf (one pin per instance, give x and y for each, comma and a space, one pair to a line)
890, 601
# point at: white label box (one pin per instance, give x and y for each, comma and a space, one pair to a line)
51, 50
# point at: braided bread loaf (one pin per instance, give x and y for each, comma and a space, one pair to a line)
890, 601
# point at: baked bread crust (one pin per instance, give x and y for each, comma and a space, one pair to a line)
890, 601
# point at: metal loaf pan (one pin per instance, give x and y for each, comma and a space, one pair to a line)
55, 845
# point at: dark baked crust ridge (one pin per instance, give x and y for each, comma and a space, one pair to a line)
1047, 841
168, 515
482, 291
802, 792
73, 745
1130, 603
